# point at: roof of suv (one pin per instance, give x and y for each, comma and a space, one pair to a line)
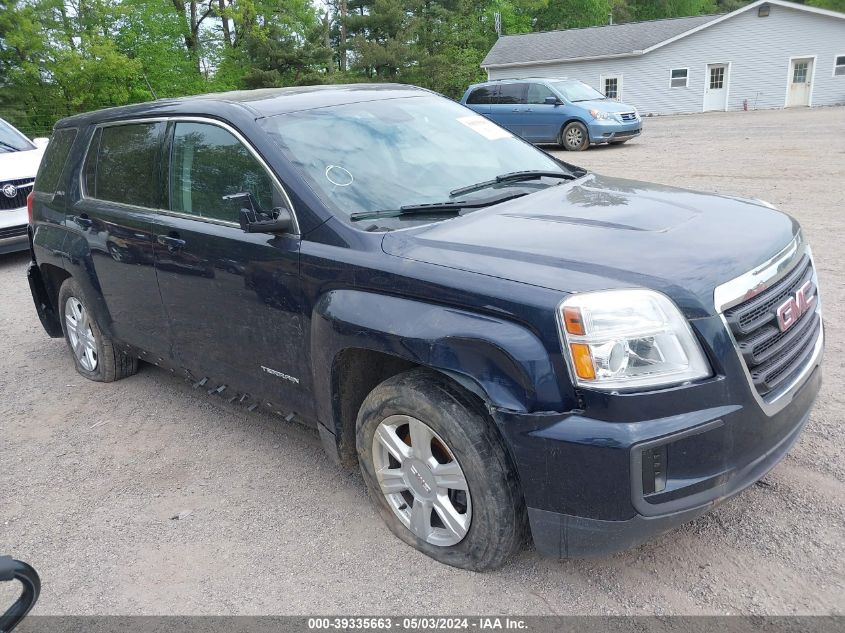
261, 103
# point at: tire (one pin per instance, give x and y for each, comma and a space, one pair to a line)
96, 358
490, 516
574, 137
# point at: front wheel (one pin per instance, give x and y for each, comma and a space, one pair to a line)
437, 472
574, 137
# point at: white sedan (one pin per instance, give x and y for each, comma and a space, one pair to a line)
19, 160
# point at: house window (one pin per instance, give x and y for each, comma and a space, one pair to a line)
839, 65
611, 86
717, 77
680, 77
799, 72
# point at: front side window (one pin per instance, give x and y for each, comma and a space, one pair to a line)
511, 93
537, 94
680, 77
13, 141
209, 163
839, 65
123, 164
380, 155
53, 163
573, 90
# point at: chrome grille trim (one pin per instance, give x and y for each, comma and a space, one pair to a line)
791, 264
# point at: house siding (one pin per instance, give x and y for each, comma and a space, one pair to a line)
758, 50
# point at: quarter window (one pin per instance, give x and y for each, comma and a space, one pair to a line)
511, 93
53, 163
680, 77
209, 163
537, 94
123, 164
839, 65
480, 95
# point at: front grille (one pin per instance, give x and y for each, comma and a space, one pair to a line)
628, 116
772, 356
19, 199
12, 231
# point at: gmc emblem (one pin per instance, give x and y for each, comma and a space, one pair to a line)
793, 308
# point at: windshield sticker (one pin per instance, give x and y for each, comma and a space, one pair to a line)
339, 176
485, 127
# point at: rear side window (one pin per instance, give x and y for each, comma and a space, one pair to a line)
209, 163
511, 93
480, 95
123, 164
53, 163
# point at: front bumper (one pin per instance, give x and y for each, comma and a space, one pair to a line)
13, 231
608, 131
589, 480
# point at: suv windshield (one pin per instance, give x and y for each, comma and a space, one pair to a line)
573, 90
11, 140
382, 155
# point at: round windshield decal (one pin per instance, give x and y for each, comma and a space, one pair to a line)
339, 176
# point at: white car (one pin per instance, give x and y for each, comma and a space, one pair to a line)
19, 160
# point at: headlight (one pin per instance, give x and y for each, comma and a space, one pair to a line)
627, 339
598, 114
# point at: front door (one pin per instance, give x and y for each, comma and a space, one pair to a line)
233, 298
800, 86
542, 121
716, 87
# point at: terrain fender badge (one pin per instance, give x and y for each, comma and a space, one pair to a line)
9, 190
795, 306
281, 375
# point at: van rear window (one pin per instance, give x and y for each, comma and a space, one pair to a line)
53, 163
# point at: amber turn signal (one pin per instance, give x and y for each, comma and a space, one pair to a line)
583, 361
573, 322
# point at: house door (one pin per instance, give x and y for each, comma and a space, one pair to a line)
800, 77
716, 88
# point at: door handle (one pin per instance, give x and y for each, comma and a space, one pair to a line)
173, 242
516, 109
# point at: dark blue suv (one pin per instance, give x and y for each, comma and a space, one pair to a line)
564, 111
499, 340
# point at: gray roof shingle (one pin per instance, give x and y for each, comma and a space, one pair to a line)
595, 41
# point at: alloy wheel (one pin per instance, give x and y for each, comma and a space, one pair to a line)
422, 480
79, 333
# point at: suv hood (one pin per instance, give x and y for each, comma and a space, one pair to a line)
600, 232
20, 165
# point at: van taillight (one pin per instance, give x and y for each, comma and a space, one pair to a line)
29, 205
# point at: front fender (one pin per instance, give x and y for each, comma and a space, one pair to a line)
505, 360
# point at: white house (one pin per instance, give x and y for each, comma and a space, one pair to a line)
768, 54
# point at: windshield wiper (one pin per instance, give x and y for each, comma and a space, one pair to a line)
452, 206
514, 176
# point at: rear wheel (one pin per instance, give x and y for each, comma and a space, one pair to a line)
94, 353
437, 472
574, 137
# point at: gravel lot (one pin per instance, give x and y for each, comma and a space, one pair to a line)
92, 475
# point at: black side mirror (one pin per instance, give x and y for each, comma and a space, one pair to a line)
551, 101
279, 222
11, 569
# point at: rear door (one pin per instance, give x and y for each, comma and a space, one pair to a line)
111, 229
233, 298
507, 107
542, 121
